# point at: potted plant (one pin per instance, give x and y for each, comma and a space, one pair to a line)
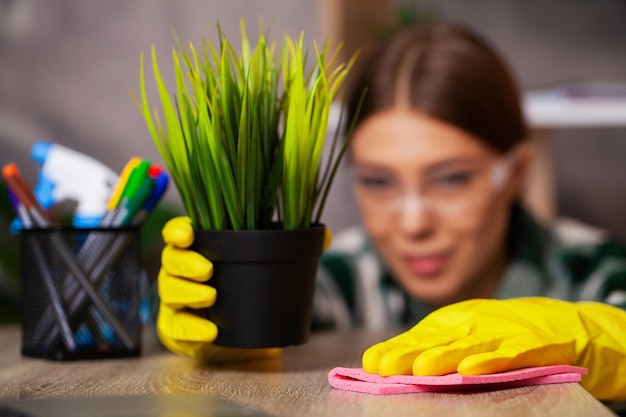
243, 136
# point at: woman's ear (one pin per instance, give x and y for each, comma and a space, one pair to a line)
521, 162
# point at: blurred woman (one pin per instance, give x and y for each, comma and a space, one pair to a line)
440, 153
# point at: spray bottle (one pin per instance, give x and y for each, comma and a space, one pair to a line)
69, 175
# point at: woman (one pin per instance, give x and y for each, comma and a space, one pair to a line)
439, 155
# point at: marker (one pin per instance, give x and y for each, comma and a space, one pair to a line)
92, 293
130, 205
25, 194
161, 182
29, 210
135, 180
119, 187
20, 210
107, 219
57, 304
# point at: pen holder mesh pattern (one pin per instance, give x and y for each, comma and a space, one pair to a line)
80, 293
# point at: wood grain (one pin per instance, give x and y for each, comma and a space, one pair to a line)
293, 384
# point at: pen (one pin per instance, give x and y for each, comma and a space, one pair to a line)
130, 205
119, 187
26, 205
92, 293
57, 304
117, 191
138, 172
136, 179
20, 210
24, 194
161, 182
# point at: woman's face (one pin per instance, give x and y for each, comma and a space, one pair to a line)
435, 202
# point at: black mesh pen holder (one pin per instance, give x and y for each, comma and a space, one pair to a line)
80, 293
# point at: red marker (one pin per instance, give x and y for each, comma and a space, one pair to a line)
25, 194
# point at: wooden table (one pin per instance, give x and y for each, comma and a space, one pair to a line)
294, 384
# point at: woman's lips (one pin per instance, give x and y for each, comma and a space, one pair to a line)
426, 265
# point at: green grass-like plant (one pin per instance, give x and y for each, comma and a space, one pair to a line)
243, 133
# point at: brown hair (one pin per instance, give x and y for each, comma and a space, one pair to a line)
446, 72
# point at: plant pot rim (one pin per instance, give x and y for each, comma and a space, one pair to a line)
265, 245
276, 227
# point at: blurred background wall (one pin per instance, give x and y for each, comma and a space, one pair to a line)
66, 67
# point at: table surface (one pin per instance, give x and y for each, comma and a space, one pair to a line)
294, 384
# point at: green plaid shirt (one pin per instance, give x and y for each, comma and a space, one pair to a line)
568, 261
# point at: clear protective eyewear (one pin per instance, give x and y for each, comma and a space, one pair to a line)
451, 191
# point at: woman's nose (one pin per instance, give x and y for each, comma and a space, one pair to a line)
414, 214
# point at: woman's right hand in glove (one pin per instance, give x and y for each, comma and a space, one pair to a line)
182, 290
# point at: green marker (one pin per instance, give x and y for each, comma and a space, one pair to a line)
129, 206
135, 180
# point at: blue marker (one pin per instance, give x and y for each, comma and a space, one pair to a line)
161, 183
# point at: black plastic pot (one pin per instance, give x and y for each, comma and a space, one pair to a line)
265, 280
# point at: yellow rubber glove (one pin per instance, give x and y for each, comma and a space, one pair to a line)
478, 337
182, 288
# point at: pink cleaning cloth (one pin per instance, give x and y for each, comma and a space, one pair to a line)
355, 379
